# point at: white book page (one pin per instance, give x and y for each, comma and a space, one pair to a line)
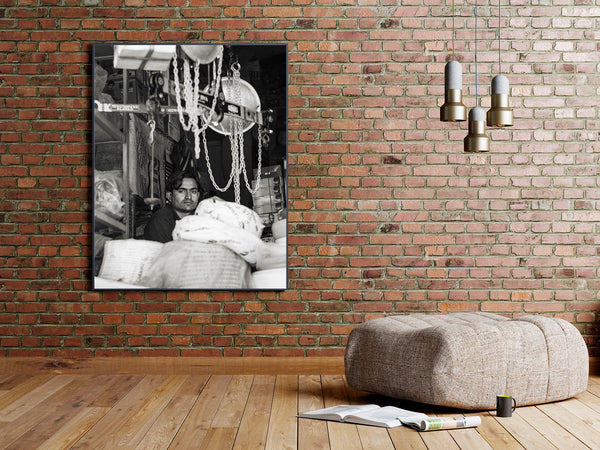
404, 413
388, 415
339, 411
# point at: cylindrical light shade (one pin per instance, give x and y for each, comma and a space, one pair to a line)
453, 109
500, 115
477, 141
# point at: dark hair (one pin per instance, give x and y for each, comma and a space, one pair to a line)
176, 178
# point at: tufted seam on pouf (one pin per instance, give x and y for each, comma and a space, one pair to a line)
564, 356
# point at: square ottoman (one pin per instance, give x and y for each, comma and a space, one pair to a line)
464, 360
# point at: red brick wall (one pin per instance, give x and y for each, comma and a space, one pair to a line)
387, 214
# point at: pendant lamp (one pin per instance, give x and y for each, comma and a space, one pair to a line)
476, 140
500, 114
453, 109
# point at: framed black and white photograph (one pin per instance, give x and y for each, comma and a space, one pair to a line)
190, 166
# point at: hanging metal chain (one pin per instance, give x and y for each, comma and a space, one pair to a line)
239, 125
192, 96
186, 81
237, 147
210, 173
152, 126
237, 158
236, 138
261, 136
214, 89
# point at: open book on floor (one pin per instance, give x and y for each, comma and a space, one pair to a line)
387, 416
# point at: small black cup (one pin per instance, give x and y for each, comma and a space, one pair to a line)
505, 405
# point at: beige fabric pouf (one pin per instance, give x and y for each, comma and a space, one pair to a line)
464, 360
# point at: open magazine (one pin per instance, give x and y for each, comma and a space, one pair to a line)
442, 423
389, 416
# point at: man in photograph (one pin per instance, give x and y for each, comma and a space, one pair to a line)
183, 194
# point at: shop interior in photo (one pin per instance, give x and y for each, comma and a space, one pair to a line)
190, 140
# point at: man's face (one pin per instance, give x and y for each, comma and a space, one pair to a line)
185, 199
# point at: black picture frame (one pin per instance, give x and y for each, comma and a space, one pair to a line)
235, 238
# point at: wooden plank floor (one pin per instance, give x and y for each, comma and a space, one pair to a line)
225, 411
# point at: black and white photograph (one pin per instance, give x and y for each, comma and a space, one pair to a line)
190, 166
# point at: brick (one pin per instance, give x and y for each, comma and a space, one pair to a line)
137, 329
264, 329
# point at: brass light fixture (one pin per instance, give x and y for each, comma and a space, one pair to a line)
453, 109
476, 140
500, 114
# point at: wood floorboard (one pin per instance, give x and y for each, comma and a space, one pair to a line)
23, 386
495, 434
590, 399
549, 428
231, 409
573, 424
51, 415
115, 389
217, 438
8, 382
33, 398
406, 439
179, 410
370, 437
573, 420
66, 436
252, 433
17, 433
312, 434
440, 440
195, 427
341, 435
283, 426
109, 431
171, 418
469, 438
527, 436
135, 428
593, 389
